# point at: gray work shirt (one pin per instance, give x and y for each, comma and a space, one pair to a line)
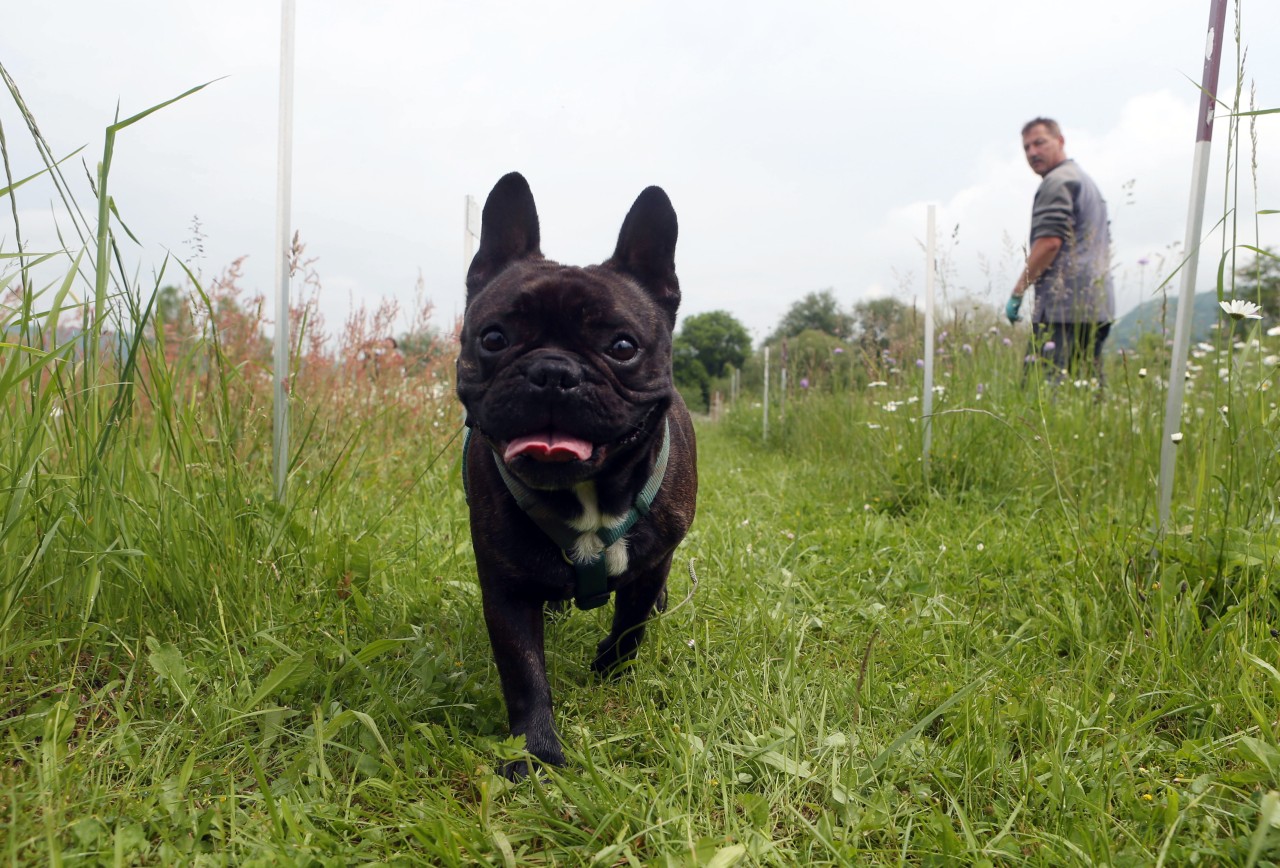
1076, 287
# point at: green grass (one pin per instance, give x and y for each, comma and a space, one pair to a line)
1029, 694
999, 663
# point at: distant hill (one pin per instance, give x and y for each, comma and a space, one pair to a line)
1147, 317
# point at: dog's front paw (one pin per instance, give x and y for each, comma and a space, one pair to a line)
541, 748
612, 658
517, 769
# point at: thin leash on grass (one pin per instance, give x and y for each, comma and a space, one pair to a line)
693, 587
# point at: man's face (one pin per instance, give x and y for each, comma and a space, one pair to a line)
1043, 149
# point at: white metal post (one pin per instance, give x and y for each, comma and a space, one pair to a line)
284, 249
765, 435
1191, 247
926, 400
470, 232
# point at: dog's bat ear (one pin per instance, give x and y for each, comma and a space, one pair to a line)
647, 248
508, 231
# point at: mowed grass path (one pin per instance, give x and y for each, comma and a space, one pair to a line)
865, 674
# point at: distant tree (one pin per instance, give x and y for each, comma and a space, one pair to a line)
171, 321
717, 339
816, 361
878, 322
689, 373
171, 304
423, 347
818, 311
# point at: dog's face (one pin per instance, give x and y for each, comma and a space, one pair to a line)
563, 368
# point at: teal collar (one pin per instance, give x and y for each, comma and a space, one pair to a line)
591, 588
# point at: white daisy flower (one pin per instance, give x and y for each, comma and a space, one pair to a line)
1238, 308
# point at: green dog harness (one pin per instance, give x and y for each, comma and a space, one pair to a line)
591, 588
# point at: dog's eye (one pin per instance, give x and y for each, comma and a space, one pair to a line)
493, 341
623, 349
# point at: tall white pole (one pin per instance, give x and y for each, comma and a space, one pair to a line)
1191, 247
926, 400
284, 247
470, 232
765, 435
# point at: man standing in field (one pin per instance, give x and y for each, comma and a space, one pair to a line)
1069, 263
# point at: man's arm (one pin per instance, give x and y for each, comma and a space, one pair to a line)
1043, 252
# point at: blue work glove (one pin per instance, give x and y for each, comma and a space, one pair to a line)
1012, 307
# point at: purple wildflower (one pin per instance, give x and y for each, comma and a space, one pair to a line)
966, 348
804, 382
919, 363
1050, 346
1007, 342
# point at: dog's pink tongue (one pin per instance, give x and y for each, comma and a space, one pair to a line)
549, 446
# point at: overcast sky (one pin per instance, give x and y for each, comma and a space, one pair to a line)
799, 142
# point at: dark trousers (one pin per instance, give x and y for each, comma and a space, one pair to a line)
1069, 349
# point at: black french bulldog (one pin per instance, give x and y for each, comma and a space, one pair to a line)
579, 463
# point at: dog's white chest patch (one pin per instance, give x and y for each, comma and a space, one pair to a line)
589, 545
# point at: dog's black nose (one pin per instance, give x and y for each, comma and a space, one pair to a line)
554, 374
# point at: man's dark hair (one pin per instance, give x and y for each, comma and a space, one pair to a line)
1050, 125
